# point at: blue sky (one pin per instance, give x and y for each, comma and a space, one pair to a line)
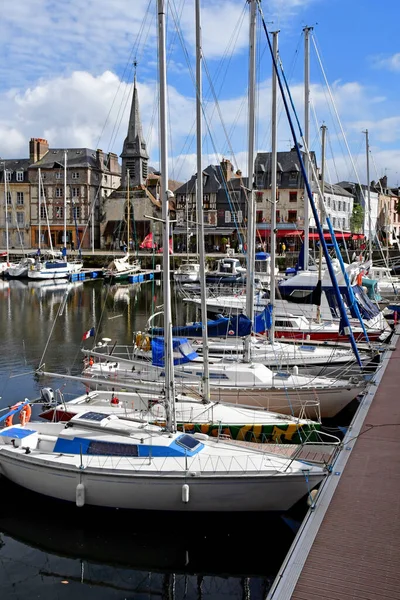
66, 72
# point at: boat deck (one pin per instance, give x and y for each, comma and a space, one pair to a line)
349, 545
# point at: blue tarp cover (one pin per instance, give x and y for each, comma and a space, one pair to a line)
235, 326
183, 351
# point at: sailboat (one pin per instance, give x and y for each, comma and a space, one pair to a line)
101, 459
53, 267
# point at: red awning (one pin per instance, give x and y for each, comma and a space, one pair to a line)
280, 233
327, 236
358, 236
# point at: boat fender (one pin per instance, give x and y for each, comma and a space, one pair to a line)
311, 498
91, 361
114, 400
295, 370
185, 493
80, 495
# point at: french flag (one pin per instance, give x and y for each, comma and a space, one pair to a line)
88, 334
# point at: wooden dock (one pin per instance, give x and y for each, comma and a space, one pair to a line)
348, 547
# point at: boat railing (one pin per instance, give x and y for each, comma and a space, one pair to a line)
239, 464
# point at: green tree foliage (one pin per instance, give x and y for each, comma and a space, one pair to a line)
357, 218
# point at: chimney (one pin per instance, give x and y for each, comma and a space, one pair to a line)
383, 181
38, 147
113, 164
100, 159
227, 169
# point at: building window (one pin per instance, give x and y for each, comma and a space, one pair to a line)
8, 217
77, 212
20, 198
259, 216
278, 216
59, 192
58, 175
239, 216
59, 212
292, 216
227, 216
8, 197
259, 196
75, 192
293, 175
75, 175
206, 201
292, 196
20, 175
20, 219
8, 175
42, 212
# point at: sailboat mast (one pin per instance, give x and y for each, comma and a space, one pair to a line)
307, 140
39, 207
321, 212
165, 195
251, 234
274, 165
6, 209
368, 197
65, 205
199, 204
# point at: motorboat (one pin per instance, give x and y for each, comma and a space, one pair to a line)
188, 272
229, 271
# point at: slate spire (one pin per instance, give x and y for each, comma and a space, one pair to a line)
134, 153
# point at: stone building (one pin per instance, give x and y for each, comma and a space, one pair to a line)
224, 209
90, 177
291, 195
15, 197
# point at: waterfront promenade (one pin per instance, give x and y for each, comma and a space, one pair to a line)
348, 548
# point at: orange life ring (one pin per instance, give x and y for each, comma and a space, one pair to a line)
24, 415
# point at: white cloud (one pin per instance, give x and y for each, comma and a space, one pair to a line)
391, 63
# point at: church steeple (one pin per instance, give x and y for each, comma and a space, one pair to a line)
134, 153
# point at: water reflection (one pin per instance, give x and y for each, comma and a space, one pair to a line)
97, 553
39, 317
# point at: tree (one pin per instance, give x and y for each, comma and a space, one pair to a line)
357, 218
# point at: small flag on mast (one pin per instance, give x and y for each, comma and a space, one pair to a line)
88, 334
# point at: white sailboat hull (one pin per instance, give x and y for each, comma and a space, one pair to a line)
118, 488
56, 272
288, 400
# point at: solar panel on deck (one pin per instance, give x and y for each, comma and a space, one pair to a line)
94, 416
188, 442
